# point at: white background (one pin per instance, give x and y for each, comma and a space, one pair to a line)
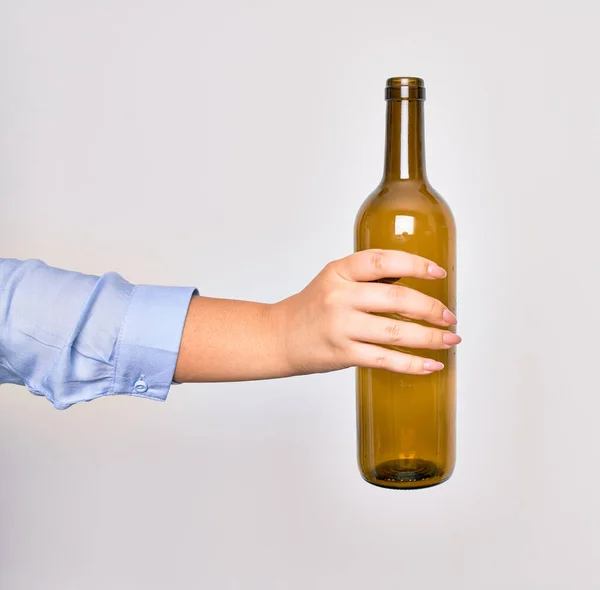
228, 145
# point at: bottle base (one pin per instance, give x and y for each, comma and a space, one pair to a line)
406, 474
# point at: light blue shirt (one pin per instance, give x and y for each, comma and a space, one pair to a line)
73, 337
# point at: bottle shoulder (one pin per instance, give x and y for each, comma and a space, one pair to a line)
406, 198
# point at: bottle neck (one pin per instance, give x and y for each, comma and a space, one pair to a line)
405, 142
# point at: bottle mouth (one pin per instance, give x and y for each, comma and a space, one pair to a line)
405, 88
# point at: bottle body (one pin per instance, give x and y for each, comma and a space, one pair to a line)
406, 423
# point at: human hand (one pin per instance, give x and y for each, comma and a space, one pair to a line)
328, 325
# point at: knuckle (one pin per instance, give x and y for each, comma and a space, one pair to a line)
432, 339
395, 293
394, 332
412, 365
340, 352
417, 266
336, 330
352, 355
376, 259
380, 360
336, 326
331, 267
432, 306
331, 327
333, 298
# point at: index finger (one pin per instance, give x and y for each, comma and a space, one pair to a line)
374, 264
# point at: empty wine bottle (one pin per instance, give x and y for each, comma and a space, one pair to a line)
406, 423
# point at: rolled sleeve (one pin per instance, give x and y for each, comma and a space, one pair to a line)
73, 337
149, 340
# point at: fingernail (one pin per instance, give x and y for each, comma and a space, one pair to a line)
451, 338
436, 271
433, 366
449, 317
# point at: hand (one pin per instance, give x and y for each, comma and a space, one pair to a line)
327, 326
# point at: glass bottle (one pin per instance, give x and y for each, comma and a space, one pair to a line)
406, 423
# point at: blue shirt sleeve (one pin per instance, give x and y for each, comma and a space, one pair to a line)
73, 337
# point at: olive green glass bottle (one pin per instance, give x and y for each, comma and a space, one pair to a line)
406, 424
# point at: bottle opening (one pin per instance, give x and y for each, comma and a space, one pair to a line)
405, 88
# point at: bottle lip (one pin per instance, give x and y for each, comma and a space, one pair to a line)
405, 88
405, 81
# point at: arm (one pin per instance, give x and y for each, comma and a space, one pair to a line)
325, 327
228, 340
72, 337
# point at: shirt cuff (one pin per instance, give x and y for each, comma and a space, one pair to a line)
149, 340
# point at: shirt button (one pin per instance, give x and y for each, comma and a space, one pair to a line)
140, 386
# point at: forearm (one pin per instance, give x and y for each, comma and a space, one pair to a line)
229, 340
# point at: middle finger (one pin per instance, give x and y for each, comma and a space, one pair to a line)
379, 298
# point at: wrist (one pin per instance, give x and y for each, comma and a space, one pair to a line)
278, 325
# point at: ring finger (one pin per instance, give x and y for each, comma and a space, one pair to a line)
381, 330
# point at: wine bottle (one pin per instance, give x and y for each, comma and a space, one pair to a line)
406, 423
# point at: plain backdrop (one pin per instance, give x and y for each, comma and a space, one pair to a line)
228, 145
